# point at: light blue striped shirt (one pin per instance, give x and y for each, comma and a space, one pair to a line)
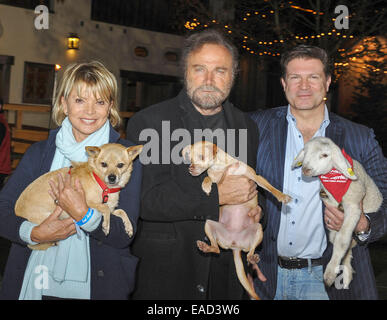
301, 232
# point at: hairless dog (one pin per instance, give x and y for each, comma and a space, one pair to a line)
235, 229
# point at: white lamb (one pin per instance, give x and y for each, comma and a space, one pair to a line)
319, 156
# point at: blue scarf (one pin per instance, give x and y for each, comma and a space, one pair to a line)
68, 263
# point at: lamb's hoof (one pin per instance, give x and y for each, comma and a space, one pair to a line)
347, 276
340, 207
329, 276
253, 259
323, 194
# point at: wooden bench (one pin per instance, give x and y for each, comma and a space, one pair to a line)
22, 136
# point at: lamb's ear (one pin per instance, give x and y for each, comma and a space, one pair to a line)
93, 152
342, 164
297, 162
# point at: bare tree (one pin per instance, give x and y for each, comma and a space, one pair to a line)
269, 27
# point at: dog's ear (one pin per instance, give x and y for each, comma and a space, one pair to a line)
209, 149
186, 153
297, 162
134, 151
93, 151
342, 164
214, 150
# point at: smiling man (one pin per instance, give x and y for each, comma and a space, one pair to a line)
174, 206
295, 251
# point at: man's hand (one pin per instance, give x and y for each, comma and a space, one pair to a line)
235, 189
334, 219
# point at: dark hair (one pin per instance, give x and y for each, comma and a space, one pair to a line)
306, 52
196, 41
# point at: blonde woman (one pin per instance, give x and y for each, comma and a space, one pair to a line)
89, 265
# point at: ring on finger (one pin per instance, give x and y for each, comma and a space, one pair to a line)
56, 201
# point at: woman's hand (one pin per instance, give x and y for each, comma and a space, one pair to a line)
71, 198
53, 229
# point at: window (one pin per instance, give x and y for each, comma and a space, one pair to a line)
38, 83
5, 72
140, 90
150, 14
28, 4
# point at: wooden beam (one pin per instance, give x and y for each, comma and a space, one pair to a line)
26, 107
29, 135
20, 147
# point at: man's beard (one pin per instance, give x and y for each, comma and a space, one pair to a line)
207, 100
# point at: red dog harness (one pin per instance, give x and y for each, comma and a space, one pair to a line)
335, 182
105, 189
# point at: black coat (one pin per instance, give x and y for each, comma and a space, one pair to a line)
174, 209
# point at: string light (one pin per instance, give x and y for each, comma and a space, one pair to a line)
307, 10
194, 24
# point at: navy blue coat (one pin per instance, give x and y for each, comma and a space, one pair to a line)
112, 265
359, 142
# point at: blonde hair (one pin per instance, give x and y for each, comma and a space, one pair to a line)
97, 78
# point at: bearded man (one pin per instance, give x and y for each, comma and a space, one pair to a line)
174, 207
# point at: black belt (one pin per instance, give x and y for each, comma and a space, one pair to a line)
297, 263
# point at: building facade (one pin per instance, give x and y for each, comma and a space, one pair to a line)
34, 38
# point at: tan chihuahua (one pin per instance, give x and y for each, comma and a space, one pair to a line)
235, 230
106, 172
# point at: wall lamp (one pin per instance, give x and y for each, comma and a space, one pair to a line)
73, 41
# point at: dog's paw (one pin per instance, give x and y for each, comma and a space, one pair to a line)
203, 246
284, 198
207, 185
253, 259
127, 224
128, 228
105, 227
207, 192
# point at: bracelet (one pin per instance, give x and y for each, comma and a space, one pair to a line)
86, 218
